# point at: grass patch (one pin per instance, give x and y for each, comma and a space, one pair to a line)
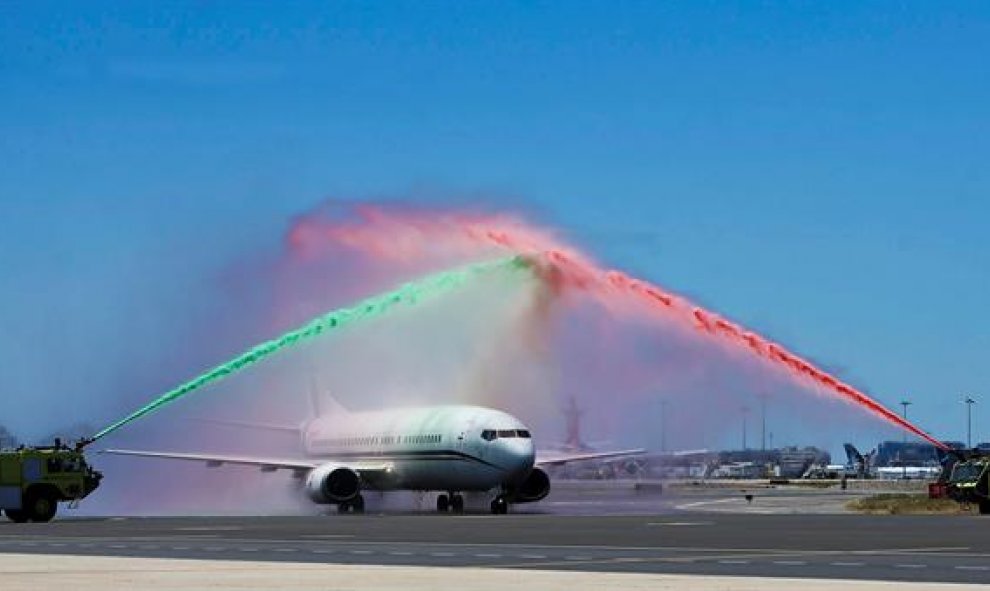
905, 504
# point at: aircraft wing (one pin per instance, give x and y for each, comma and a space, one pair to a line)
373, 472
213, 460
561, 459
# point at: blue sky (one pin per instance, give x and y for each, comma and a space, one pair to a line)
816, 171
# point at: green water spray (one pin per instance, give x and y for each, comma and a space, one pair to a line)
373, 307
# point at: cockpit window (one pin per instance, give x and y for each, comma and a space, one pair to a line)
506, 433
523, 433
488, 434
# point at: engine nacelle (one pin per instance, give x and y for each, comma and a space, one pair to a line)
333, 484
534, 488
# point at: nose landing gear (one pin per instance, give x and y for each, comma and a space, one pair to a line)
500, 506
452, 502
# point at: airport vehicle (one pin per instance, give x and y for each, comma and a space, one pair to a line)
452, 449
965, 478
33, 480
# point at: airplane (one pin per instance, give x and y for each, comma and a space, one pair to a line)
452, 449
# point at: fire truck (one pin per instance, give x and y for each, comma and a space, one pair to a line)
34, 480
965, 478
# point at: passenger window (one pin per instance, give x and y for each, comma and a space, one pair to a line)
523, 433
488, 434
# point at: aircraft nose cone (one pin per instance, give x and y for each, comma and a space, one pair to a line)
520, 454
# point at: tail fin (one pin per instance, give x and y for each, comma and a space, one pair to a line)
852, 454
321, 402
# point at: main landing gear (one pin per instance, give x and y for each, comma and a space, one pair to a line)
500, 506
452, 502
356, 505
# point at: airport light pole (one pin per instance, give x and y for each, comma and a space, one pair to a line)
763, 418
905, 404
745, 410
969, 421
663, 425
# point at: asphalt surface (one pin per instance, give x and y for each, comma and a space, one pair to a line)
679, 541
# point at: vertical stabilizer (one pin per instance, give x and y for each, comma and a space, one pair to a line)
321, 402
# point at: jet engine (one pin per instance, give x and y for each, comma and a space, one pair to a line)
534, 488
333, 484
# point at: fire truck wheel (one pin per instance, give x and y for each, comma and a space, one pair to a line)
16, 516
41, 506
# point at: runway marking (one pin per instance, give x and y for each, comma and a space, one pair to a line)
397, 553
209, 528
322, 551
248, 549
579, 558
118, 546
911, 566
532, 556
703, 503
790, 562
180, 548
733, 562
847, 563
679, 523
488, 555
442, 554
284, 550
361, 552
214, 548
973, 567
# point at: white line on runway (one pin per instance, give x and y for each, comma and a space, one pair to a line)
444, 554
286, 550
973, 567
733, 562
488, 555
532, 556
848, 563
790, 562
361, 552
396, 553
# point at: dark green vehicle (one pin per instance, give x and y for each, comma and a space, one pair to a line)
33, 480
969, 482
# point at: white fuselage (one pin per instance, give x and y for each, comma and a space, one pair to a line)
453, 448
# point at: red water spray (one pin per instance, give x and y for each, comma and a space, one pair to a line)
382, 233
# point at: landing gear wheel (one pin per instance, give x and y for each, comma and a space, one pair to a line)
40, 507
17, 516
457, 503
443, 503
500, 506
343, 507
358, 504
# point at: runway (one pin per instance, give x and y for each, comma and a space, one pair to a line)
887, 548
